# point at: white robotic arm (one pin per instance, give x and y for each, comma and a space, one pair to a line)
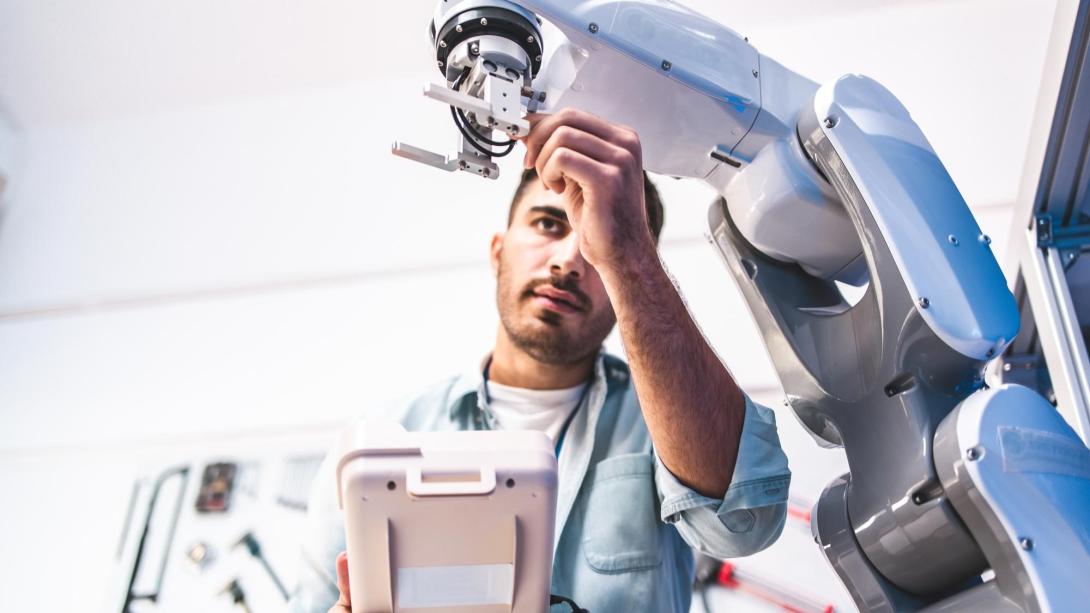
818, 184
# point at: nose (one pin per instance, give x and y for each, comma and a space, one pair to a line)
566, 258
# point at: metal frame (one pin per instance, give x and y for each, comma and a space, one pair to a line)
1057, 330
1055, 186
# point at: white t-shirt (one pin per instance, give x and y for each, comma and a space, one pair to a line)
517, 408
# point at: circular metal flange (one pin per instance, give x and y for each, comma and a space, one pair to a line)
485, 21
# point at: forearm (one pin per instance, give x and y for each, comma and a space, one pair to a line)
693, 408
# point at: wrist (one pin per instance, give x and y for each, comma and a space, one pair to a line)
635, 268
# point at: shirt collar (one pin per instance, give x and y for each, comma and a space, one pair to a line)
468, 393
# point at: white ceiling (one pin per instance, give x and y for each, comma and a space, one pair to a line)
64, 61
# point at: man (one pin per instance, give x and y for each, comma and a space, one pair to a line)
655, 456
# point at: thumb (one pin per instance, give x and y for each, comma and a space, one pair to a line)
342, 582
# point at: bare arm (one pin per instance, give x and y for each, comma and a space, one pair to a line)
693, 408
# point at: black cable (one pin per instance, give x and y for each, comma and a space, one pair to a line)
703, 591
554, 599
473, 141
474, 137
465, 120
250, 542
480, 136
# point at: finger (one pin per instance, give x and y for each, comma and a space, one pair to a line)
542, 128
573, 196
586, 143
342, 582
578, 167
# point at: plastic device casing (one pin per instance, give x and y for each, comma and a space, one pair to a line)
462, 521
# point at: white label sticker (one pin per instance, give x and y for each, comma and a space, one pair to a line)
448, 586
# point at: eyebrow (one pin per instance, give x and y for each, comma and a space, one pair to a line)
551, 211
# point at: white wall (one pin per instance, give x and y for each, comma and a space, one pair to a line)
262, 264
7, 145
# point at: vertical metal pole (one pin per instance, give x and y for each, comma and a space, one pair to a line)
1059, 332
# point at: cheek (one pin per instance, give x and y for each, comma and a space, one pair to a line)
525, 257
513, 274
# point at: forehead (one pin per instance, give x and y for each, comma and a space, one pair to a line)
536, 195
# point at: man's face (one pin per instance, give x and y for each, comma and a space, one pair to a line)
551, 302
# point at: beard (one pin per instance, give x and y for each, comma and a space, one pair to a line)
554, 342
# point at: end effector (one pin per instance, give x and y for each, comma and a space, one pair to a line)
489, 52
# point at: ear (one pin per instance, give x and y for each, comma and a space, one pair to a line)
495, 250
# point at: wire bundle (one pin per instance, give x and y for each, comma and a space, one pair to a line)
479, 141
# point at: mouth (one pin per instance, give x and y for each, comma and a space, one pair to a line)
556, 300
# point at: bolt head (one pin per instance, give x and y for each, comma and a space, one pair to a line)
440, 62
953, 240
537, 59
984, 238
462, 165
529, 39
484, 21
442, 44
1026, 543
755, 73
666, 65
973, 454
458, 28
830, 122
593, 27
923, 302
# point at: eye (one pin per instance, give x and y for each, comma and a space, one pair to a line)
549, 225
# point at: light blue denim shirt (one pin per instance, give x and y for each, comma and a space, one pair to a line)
624, 523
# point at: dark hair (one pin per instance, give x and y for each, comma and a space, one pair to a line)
652, 201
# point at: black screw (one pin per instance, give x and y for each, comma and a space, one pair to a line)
1026, 543
973, 454
593, 27
923, 302
390, 485
666, 65
830, 122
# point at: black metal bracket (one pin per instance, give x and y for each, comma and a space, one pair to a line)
1053, 235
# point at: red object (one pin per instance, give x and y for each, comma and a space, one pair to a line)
798, 513
730, 577
726, 575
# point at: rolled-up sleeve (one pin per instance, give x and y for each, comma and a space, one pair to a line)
751, 514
